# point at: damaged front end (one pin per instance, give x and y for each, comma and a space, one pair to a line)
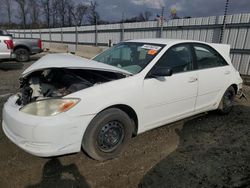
59, 82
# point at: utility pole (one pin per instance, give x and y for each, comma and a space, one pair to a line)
224, 20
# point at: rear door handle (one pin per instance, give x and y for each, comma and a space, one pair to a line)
227, 72
192, 79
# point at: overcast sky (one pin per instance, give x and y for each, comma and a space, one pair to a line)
112, 9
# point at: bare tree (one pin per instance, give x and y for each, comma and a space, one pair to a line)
54, 13
61, 6
34, 12
46, 4
69, 7
78, 13
7, 5
93, 16
23, 8
147, 15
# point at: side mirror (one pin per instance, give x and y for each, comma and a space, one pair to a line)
159, 72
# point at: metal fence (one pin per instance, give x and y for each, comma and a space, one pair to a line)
208, 29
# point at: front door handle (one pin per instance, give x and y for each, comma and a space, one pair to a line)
192, 79
227, 72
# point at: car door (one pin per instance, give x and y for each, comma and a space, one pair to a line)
213, 75
171, 97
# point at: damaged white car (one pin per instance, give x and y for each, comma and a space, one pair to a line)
66, 103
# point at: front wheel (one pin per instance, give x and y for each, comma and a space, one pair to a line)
107, 134
227, 101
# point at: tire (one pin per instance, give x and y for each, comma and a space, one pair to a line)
22, 54
226, 103
107, 134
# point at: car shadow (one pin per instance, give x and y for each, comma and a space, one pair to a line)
56, 175
7, 65
214, 151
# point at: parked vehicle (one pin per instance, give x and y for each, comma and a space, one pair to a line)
6, 46
24, 48
67, 102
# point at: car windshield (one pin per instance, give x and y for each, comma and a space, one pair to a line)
130, 56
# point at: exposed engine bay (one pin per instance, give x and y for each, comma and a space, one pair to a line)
59, 82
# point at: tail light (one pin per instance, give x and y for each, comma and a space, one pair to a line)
9, 44
39, 43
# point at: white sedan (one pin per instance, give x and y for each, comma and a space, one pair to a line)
66, 103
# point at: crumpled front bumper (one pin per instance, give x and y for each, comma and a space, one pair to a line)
43, 136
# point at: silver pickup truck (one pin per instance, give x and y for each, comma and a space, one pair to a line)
6, 46
24, 48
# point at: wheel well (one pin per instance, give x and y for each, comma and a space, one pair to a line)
21, 46
235, 88
131, 113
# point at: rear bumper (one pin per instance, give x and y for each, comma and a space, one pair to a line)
44, 136
7, 56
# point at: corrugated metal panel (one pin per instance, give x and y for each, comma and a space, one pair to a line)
244, 65
198, 21
212, 20
225, 36
190, 34
233, 37
68, 37
184, 34
236, 60
197, 34
247, 43
245, 18
241, 38
236, 18
186, 21
238, 37
205, 20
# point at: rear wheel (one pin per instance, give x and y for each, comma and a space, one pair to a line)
22, 54
227, 101
107, 134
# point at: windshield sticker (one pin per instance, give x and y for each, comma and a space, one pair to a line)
152, 52
151, 47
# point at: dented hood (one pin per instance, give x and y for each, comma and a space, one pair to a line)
72, 62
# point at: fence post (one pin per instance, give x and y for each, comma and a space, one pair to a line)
40, 34
49, 35
122, 32
76, 37
96, 32
61, 35
31, 34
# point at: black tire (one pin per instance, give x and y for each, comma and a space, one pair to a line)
107, 134
227, 101
22, 54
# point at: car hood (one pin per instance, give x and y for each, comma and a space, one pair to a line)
71, 61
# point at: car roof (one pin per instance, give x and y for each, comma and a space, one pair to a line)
164, 41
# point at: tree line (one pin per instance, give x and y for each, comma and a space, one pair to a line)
29, 14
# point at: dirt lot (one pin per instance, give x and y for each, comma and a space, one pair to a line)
208, 150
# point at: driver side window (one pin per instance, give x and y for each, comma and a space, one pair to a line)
178, 58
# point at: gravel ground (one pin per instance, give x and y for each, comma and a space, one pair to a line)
208, 150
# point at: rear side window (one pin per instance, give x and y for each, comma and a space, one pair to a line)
178, 58
207, 57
